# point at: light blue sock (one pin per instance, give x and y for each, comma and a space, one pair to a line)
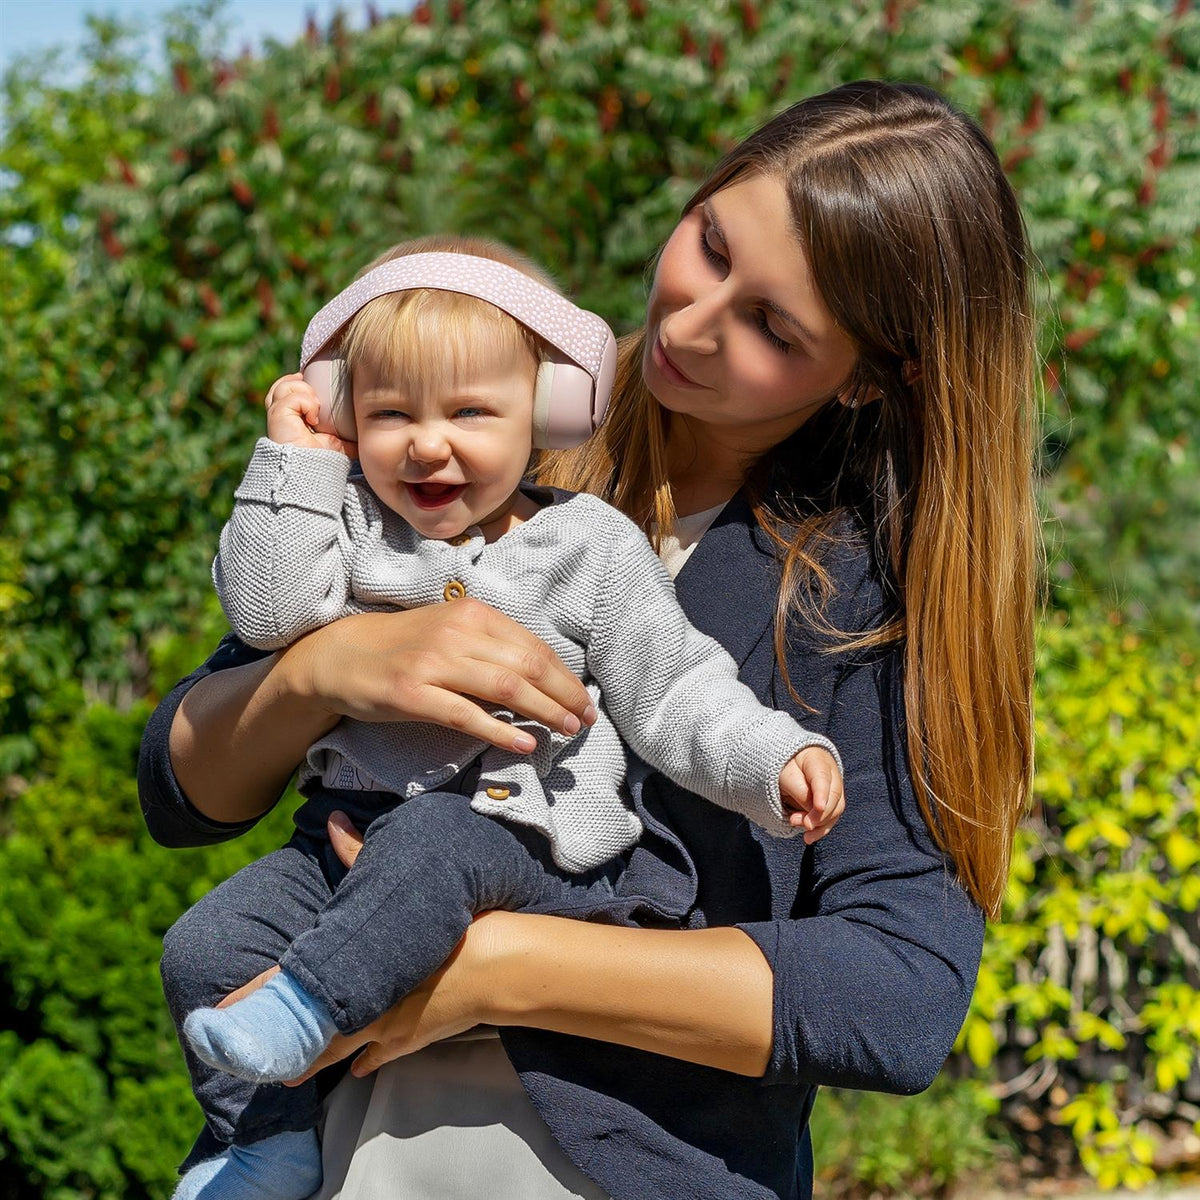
273, 1034
286, 1166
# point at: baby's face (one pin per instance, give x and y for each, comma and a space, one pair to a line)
450, 458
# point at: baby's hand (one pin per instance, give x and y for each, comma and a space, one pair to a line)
292, 411
810, 786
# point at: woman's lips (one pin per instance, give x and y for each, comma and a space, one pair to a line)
669, 369
434, 495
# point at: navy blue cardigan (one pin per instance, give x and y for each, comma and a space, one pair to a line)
873, 945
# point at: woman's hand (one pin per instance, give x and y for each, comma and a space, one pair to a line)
423, 664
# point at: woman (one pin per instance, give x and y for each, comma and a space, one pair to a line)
834, 377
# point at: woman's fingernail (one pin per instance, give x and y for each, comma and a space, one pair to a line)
524, 742
339, 818
572, 724
590, 714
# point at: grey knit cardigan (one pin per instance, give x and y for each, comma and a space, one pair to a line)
309, 542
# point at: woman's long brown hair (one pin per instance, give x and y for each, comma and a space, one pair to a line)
917, 246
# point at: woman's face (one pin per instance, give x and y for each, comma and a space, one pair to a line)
737, 334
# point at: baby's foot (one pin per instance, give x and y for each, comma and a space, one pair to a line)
286, 1166
273, 1034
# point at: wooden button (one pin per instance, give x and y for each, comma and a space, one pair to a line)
496, 793
461, 540
454, 590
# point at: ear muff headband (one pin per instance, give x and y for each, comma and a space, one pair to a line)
572, 391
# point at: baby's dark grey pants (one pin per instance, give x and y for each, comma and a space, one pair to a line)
358, 940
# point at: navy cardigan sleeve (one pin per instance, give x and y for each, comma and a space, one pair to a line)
172, 819
875, 965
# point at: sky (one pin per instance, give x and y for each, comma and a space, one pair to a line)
32, 25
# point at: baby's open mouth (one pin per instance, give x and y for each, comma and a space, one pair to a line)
434, 495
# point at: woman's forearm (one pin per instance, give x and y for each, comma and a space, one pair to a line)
705, 995
239, 734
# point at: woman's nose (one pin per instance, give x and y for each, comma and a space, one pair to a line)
693, 327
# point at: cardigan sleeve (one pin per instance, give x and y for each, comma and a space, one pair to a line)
170, 816
674, 693
284, 564
875, 968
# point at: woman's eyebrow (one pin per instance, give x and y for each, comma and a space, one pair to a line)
782, 313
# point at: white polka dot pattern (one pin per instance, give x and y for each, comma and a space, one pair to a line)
581, 335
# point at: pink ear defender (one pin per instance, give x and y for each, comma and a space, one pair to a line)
573, 386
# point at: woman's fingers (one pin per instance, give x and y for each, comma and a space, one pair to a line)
247, 988
341, 1047
442, 663
344, 837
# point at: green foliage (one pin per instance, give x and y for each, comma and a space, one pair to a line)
871, 1145
1089, 994
93, 1097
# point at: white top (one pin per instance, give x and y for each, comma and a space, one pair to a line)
677, 549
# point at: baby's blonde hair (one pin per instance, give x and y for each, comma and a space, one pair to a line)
424, 339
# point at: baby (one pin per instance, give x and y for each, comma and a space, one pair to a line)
449, 396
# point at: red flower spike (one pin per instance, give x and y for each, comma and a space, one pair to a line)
1036, 116
242, 193
1148, 192
422, 14
1125, 80
1016, 157
687, 43
333, 86
751, 19
298, 264
522, 92
270, 126
891, 16
179, 156
371, 112
1051, 377
373, 17
456, 11
187, 343
126, 171
716, 54
1078, 338
312, 31
1157, 158
266, 301
182, 77
210, 301
546, 20
108, 239
1162, 111
603, 12
1182, 8
637, 9
223, 74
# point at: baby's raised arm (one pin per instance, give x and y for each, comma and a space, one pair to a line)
283, 568
674, 695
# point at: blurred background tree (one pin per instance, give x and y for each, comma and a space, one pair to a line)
164, 241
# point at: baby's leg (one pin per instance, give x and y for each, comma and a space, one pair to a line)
238, 930
426, 868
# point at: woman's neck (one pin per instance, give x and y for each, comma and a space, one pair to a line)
702, 472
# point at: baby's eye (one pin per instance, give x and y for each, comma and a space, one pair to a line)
388, 414
471, 413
